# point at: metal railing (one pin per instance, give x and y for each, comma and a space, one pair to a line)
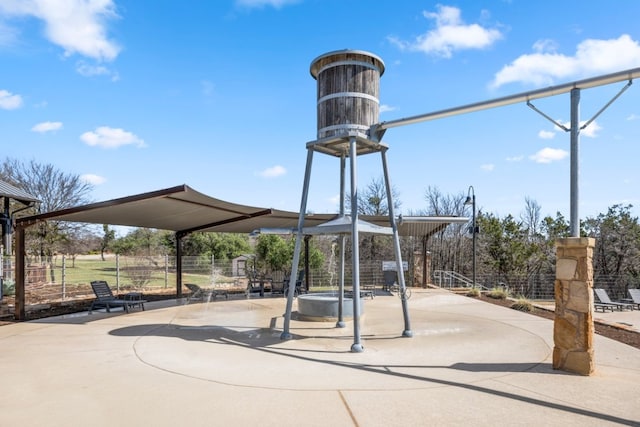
451, 279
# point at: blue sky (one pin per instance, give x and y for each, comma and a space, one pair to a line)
137, 96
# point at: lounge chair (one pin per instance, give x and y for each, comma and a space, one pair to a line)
603, 307
106, 299
603, 298
364, 293
634, 299
198, 293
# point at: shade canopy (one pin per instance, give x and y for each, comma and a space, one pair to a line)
185, 210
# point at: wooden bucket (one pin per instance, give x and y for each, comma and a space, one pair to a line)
348, 91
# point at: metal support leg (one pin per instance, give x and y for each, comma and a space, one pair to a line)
340, 323
396, 246
356, 347
296, 251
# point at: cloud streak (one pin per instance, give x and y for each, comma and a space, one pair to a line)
93, 179
273, 172
549, 155
47, 127
107, 137
253, 4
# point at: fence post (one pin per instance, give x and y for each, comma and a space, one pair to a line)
1, 270
64, 277
213, 268
166, 271
118, 272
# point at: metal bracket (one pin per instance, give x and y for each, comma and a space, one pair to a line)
629, 83
560, 125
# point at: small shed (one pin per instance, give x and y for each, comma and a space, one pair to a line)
239, 265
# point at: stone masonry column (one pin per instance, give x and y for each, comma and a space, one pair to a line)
573, 326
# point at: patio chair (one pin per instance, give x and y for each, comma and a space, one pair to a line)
603, 298
200, 294
603, 307
389, 277
634, 299
106, 299
196, 292
299, 289
277, 287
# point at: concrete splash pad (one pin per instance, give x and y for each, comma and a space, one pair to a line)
469, 363
202, 339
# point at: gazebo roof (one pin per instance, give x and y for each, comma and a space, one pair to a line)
12, 192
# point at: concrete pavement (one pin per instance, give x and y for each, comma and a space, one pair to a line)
223, 363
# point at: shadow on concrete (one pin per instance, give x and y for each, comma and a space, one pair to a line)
264, 340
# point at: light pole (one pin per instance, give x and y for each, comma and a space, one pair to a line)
471, 200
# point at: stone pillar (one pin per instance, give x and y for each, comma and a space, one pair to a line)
573, 326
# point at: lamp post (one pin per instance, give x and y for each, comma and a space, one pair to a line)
471, 200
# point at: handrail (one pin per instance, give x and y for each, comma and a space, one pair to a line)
450, 278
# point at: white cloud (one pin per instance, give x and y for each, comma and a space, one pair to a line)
9, 101
487, 167
90, 70
590, 131
47, 127
385, 108
545, 66
548, 155
277, 4
515, 159
546, 134
273, 172
107, 137
451, 34
78, 26
93, 179
633, 117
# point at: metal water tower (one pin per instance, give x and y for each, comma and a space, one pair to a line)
348, 106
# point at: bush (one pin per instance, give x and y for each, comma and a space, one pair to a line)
473, 292
8, 287
498, 293
522, 304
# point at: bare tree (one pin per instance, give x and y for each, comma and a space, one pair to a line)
373, 200
451, 251
55, 190
531, 217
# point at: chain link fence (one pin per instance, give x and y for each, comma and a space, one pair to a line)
67, 279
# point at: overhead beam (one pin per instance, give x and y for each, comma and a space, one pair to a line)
378, 129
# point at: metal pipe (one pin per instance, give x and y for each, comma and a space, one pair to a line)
511, 99
574, 217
